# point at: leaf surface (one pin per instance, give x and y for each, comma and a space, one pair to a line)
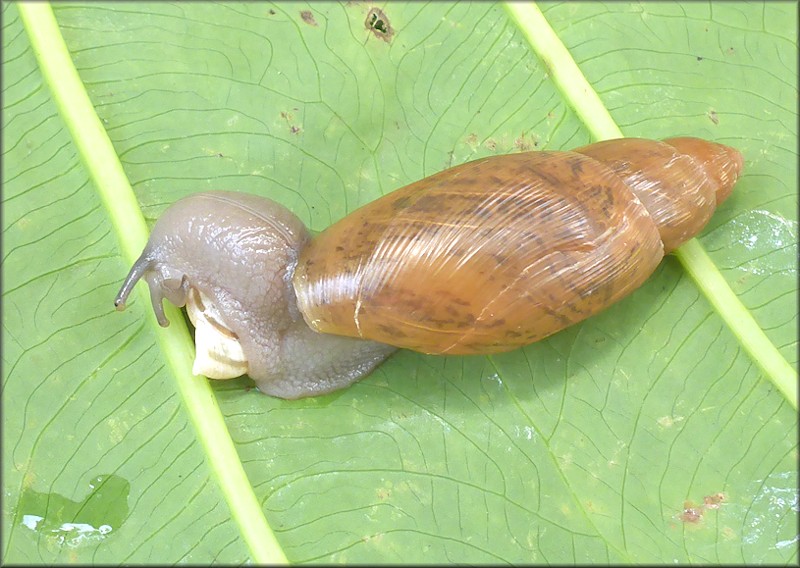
585, 447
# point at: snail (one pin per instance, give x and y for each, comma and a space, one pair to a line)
481, 258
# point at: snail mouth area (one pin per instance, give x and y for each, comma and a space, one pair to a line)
218, 352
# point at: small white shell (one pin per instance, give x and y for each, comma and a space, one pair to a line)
218, 353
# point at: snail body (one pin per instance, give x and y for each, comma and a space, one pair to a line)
484, 257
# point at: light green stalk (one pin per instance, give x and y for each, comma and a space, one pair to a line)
580, 95
112, 185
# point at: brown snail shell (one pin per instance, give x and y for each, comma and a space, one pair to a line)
500, 252
480, 258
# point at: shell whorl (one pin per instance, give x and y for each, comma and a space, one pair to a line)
500, 252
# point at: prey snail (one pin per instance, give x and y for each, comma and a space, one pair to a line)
483, 257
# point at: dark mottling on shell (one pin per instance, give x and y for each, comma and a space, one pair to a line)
559, 315
595, 190
549, 179
417, 304
401, 203
429, 203
605, 198
466, 322
391, 330
409, 298
452, 311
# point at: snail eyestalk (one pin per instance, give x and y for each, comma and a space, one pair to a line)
141, 268
136, 272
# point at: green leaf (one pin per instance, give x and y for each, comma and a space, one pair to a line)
583, 447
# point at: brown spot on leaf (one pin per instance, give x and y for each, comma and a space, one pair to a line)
713, 501
378, 24
691, 513
289, 117
521, 144
308, 18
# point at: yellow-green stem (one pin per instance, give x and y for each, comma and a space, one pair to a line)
580, 95
112, 185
